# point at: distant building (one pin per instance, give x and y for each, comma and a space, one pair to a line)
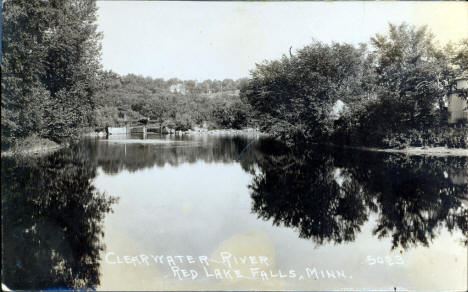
178, 88
457, 105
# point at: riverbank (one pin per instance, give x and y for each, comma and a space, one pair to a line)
197, 131
420, 151
225, 132
33, 146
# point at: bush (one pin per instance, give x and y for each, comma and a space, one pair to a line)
438, 137
183, 122
232, 114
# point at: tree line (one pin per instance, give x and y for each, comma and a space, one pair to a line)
393, 91
54, 87
390, 92
174, 103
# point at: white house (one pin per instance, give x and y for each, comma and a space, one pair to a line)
457, 105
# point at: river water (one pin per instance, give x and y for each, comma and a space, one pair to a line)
232, 213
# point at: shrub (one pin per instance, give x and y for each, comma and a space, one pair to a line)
438, 137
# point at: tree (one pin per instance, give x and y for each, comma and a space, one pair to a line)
24, 48
50, 63
294, 95
458, 56
233, 114
412, 75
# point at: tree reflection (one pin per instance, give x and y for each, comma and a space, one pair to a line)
52, 218
328, 197
416, 196
302, 191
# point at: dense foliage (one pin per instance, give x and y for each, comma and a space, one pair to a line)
411, 79
49, 65
173, 103
399, 85
295, 95
53, 87
390, 93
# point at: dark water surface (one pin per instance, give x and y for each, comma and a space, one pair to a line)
234, 213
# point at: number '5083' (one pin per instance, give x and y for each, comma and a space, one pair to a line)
384, 260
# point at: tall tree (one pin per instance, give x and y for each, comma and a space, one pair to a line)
50, 64
24, 49
294, 95
412, 75
458, 56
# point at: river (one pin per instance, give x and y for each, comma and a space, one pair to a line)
209, 212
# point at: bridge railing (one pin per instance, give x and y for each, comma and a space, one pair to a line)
139, 123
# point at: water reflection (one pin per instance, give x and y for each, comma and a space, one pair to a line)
115, 156
326, 195
329, 196
53, 217
52, 221
301, 191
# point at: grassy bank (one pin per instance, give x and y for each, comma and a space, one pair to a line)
32, 145
438, 137
420, 151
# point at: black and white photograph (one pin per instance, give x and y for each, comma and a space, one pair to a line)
234, 145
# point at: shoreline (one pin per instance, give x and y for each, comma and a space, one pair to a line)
412, 151
51, 147
188, 132
225, 132
34, 151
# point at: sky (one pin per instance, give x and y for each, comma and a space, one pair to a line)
217, 40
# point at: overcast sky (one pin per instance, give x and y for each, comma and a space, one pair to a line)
205, 40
